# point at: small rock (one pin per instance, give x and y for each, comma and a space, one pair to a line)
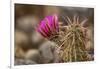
47, 52
20, 37
33, 55
23, 62
30, 62
88, 45
27, 23
19, 53
19, 62
37, 38
90, 41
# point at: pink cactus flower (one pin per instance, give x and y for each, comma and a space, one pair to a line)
49, 26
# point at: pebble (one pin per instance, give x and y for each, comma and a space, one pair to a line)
33, 54
48, 53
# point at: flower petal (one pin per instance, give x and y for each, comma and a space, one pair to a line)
56, 23
49, 26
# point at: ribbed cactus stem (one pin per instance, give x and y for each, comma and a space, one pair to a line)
71, 45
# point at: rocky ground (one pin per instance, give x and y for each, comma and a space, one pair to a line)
30, 46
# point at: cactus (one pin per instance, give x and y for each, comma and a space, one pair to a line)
72, 44
70, 41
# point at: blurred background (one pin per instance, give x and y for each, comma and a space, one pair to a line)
30, 46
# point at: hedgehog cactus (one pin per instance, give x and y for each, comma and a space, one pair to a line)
70, 42
73, 46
